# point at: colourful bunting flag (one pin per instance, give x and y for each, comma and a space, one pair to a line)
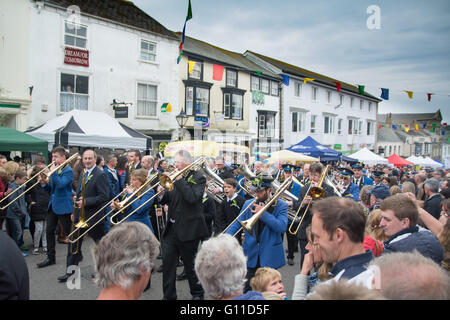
406, 129
191, 66
285, 79
424, 125
417, 127
338, 86
429, 96
394, 127
379, 126
188, 17
410, 94
308, 79
443, 132
218, 72
433, 129
385, 93
361, 89
444, 124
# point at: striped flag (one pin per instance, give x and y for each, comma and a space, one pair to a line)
188, 17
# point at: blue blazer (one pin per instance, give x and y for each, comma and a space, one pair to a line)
114, 184
352, 192
142, 215
295, 189
270, 247
60, 188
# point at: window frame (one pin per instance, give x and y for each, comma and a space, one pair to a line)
190, 77
137, 115
298, 87
148, 52
74, 89
232, 93
229, 71
314, 94
274, 84
268, 86
313, 128
75, 36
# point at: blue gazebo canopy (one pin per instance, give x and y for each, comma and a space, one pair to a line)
311, 147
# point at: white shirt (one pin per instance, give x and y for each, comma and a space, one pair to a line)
232, 198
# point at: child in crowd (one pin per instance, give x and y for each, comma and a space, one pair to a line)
268, 279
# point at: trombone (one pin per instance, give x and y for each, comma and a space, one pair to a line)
248, 224
315, 193
32, 186
165, 181
244, 170
81, 219
123, 203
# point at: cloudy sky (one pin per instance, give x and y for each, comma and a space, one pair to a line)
410, 51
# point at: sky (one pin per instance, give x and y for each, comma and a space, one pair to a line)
409, 51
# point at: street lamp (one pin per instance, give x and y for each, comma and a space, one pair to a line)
182, 118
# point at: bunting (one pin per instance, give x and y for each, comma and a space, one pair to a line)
285, 79
429, 96
218, 72
361, 89
308, 79
410, 94
385, 93
191, 66
338, 86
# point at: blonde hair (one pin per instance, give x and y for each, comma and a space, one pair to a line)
269, 295
408, 186
373, 228
262, 278
395, 189
8, 170
141, 175
343, 290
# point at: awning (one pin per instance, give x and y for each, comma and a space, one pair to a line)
13, 140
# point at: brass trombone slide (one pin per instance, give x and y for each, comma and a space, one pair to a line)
248, 224
166, 181
315, 193
34, 184
81, 219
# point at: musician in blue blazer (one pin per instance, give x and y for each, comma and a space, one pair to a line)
138, 178
60, 205
348, 189
265, 247
359, 178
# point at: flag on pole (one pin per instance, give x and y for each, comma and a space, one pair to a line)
188, 17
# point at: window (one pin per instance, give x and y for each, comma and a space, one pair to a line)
339, 126
328, 96
231, 78
254, 83
148, 50
313, 123
75, 35
232, 104
266, 125
298, 89
352, 126
369, 128
265, 85
298, 121
328, 124
294, 121
418, 148
361, 105
426, 148
341, 99
351, 102
197, 71
390, 150
197, 101
147, 99
370, 106
74, 92
314, 94
359, 127
395, 149
274, 88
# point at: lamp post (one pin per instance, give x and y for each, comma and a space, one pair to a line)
182, 118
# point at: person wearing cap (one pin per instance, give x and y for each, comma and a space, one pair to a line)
377, 178
294, 188
378, 194
359, 178
348, 189
265, 247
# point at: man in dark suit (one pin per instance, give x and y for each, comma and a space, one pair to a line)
133, 163
433, 203
96, 194
315, 173
60, 205
185, 227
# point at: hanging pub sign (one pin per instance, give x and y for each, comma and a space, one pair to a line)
77, 57
121, 112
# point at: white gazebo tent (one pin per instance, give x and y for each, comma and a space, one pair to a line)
90, 129
418, 161
368, 157
433, 164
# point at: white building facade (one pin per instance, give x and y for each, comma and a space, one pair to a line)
344, 120
87, 62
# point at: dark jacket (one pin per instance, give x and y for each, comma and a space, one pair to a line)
433, 205
41, 196
209, 212
113, 181
14, 278
414, 238
352, 266
185, 207
329, 192
18, 209
227, 211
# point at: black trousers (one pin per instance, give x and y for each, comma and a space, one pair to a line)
292, 240
95, 233
52, 222
303, 250
172, 248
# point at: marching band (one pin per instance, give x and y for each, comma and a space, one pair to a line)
186, 203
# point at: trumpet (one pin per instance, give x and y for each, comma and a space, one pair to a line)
213, 182
43, 176
315, 193
166, 181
